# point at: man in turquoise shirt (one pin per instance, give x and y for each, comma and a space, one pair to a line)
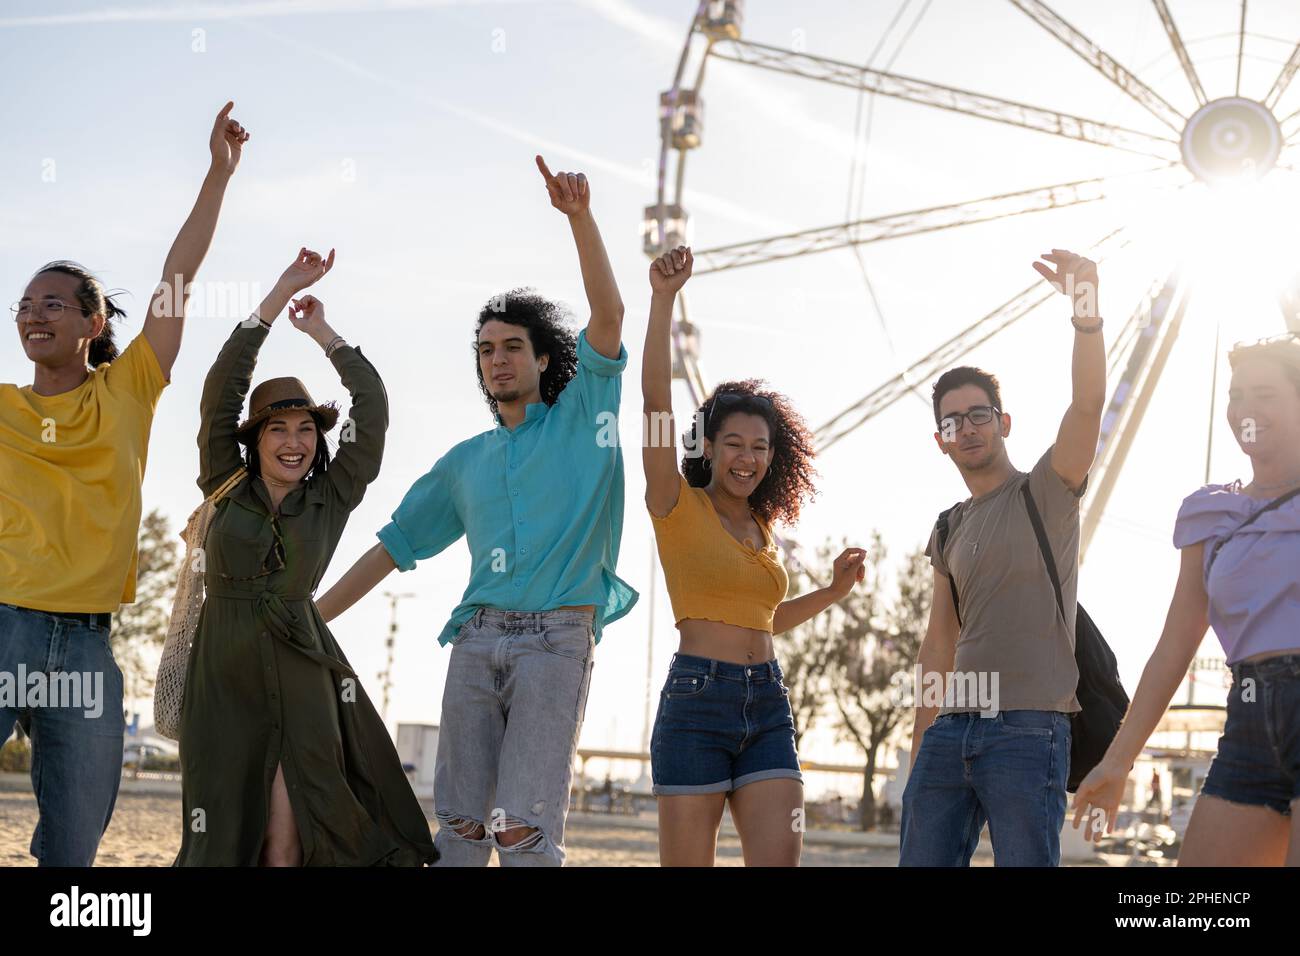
539, 499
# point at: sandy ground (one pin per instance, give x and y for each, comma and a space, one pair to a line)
146, 832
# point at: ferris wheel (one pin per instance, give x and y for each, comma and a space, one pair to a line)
1227, 138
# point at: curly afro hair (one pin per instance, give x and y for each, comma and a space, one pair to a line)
547, 331
788, 481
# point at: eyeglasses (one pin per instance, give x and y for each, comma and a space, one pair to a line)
732, 399
52, 309
978, 415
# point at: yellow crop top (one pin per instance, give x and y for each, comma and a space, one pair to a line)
710, 575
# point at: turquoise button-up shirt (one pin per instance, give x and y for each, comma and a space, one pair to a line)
541, 506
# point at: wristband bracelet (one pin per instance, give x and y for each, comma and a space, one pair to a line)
334, 345
1088, 330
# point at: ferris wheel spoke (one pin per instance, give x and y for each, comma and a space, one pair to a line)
1176, 41
1001, 318
953, 99
1290, 127
1103, 62
910, 223
1241, 47
1161, 310
1283, 79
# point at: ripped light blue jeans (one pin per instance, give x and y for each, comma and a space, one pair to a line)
511, 713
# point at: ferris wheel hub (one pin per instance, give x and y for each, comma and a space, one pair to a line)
1232, 138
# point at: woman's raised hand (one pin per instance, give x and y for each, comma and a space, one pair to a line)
308, 315
670, 271
227, 140
569, 192
306, 270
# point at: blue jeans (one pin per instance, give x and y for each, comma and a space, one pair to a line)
511, 714
1009, 770
76, 727
721, 726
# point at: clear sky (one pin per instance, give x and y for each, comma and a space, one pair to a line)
402, 133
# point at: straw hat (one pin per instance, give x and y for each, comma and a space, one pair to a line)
276, 394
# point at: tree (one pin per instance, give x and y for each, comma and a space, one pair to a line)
876, 648
139, 629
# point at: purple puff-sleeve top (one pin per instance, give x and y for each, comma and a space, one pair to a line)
1254, 583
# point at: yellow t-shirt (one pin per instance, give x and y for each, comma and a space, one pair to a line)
70, 472
710, 575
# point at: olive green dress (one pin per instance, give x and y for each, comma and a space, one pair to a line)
267, 683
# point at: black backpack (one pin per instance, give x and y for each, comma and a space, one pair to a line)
1100, 693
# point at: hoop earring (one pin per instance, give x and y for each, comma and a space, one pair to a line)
708, 463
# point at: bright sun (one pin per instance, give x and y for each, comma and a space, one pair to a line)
1236, 243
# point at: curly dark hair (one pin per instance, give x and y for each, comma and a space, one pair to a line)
547, 331
788, 482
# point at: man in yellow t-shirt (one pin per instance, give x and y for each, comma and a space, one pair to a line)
73, 447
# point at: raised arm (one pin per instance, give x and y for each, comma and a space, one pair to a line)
1076, 441
361, 439
668, 274
850, 568
228, 380
164, 324
571, 194
938, 650
1185, 627
361, 444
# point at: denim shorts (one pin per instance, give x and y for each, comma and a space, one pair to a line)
1258, 762
721, 726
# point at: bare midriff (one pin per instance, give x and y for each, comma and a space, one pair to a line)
724, 642
578, 607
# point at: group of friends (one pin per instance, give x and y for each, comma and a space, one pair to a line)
285, 760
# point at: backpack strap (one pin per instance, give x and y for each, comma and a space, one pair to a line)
1275, 503
1046, 549
942, 526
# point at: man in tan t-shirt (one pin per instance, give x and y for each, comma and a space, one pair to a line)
996, 747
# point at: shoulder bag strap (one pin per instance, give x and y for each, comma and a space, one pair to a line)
1043, 546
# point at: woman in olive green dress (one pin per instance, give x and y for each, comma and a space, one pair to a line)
284, 759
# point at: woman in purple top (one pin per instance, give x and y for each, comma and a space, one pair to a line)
1241, 555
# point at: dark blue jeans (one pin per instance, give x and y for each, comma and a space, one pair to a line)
59, 676
1009, 770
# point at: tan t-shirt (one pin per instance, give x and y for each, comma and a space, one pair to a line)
1010, 626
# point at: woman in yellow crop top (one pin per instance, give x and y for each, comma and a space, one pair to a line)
724, 730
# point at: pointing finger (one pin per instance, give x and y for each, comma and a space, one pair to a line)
1045, 272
